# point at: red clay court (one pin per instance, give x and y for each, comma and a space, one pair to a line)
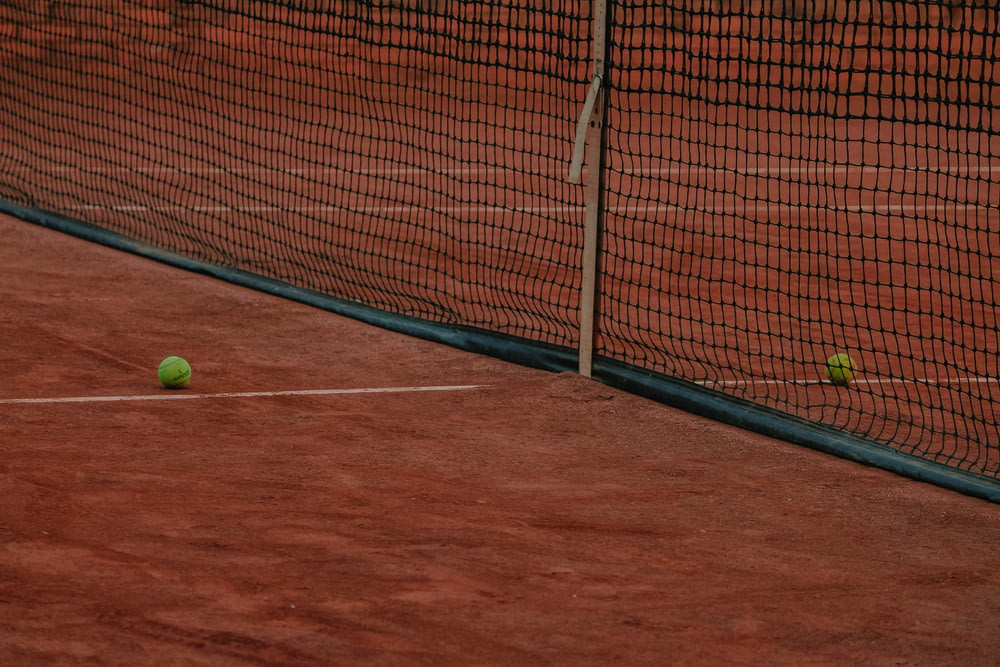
325, 492
536, 518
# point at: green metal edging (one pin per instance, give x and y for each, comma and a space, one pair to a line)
664, 389
518, 350
735, 411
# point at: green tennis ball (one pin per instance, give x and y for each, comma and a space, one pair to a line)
840, 369
174, 372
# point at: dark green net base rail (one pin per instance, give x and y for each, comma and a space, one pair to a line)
783, 181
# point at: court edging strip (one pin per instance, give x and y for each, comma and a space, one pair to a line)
688, 396
728, 409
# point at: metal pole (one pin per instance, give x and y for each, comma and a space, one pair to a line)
593, 217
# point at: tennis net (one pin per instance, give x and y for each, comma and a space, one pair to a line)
780, 181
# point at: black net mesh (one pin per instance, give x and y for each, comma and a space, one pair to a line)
785, 180
793, 180
407, 158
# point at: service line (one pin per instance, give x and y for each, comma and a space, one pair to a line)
947, 381
175, 395
734, 209
766, 170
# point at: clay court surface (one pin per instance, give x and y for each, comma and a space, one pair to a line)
533, 519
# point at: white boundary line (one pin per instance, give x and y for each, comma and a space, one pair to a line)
762, 170
168, 395
887, 381
375, 210
735, 209
179, 396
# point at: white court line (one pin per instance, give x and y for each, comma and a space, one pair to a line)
876, 382
764, 170
179, 396
374, 210
250, 171
701, 207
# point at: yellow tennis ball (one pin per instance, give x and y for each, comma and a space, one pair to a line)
840, 369
174, 372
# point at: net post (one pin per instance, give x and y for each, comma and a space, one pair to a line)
593, 215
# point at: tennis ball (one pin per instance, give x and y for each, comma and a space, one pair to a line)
840, 369
174, 372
